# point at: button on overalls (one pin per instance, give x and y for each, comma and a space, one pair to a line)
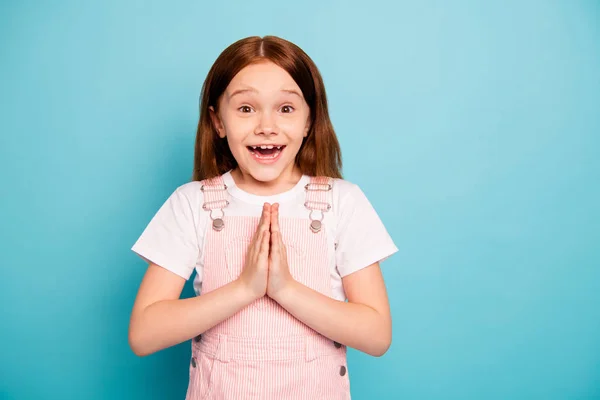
263, 352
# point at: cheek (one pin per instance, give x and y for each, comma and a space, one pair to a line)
294, 129
237, 129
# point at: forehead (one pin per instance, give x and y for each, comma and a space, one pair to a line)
264, 78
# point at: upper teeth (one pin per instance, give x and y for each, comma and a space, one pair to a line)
267, 147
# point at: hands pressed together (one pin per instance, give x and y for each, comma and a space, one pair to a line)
266, 270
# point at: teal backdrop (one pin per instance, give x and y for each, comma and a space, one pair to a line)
473, 128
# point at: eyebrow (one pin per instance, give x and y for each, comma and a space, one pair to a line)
292, 91
252, 90
240, 91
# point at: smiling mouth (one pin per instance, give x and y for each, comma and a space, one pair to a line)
266, 152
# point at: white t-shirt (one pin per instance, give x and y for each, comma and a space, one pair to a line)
174, 237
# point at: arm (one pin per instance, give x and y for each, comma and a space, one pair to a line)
363, 323
160, 319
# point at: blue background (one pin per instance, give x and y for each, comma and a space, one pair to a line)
473, 127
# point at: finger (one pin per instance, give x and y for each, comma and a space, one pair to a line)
283, 250
275, 217
257, 242
275, 243
261, 224
281, 247
264, 244
265, 219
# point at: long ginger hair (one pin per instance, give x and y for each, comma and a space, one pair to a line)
319, 154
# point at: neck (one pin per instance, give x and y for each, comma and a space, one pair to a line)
284, 182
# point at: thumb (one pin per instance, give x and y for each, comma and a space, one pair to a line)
275, 242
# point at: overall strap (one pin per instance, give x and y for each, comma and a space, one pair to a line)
215, 198
318, 200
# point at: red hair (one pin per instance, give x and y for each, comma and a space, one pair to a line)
319, 154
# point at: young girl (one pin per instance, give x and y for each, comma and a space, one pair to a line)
278, 241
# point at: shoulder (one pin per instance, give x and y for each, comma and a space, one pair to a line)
190, 188
187, 198
344, 186
346, 193
189, 192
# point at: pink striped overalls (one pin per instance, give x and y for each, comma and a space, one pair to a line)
263, 352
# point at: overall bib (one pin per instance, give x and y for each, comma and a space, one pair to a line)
263, 352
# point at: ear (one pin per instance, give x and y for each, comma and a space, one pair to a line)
307, 127
217, 123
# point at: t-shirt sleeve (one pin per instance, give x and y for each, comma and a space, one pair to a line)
170, 239
361, 237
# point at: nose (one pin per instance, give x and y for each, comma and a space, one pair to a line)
266, 125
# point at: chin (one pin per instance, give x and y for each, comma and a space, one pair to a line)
264, 173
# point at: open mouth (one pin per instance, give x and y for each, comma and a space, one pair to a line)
266, 153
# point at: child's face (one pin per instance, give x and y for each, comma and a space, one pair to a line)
264, 117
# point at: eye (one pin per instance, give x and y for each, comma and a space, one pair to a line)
245, 109
287, 109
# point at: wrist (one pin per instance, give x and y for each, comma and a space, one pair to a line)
245, 291
286, 292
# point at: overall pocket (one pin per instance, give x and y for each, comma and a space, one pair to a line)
201, 372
